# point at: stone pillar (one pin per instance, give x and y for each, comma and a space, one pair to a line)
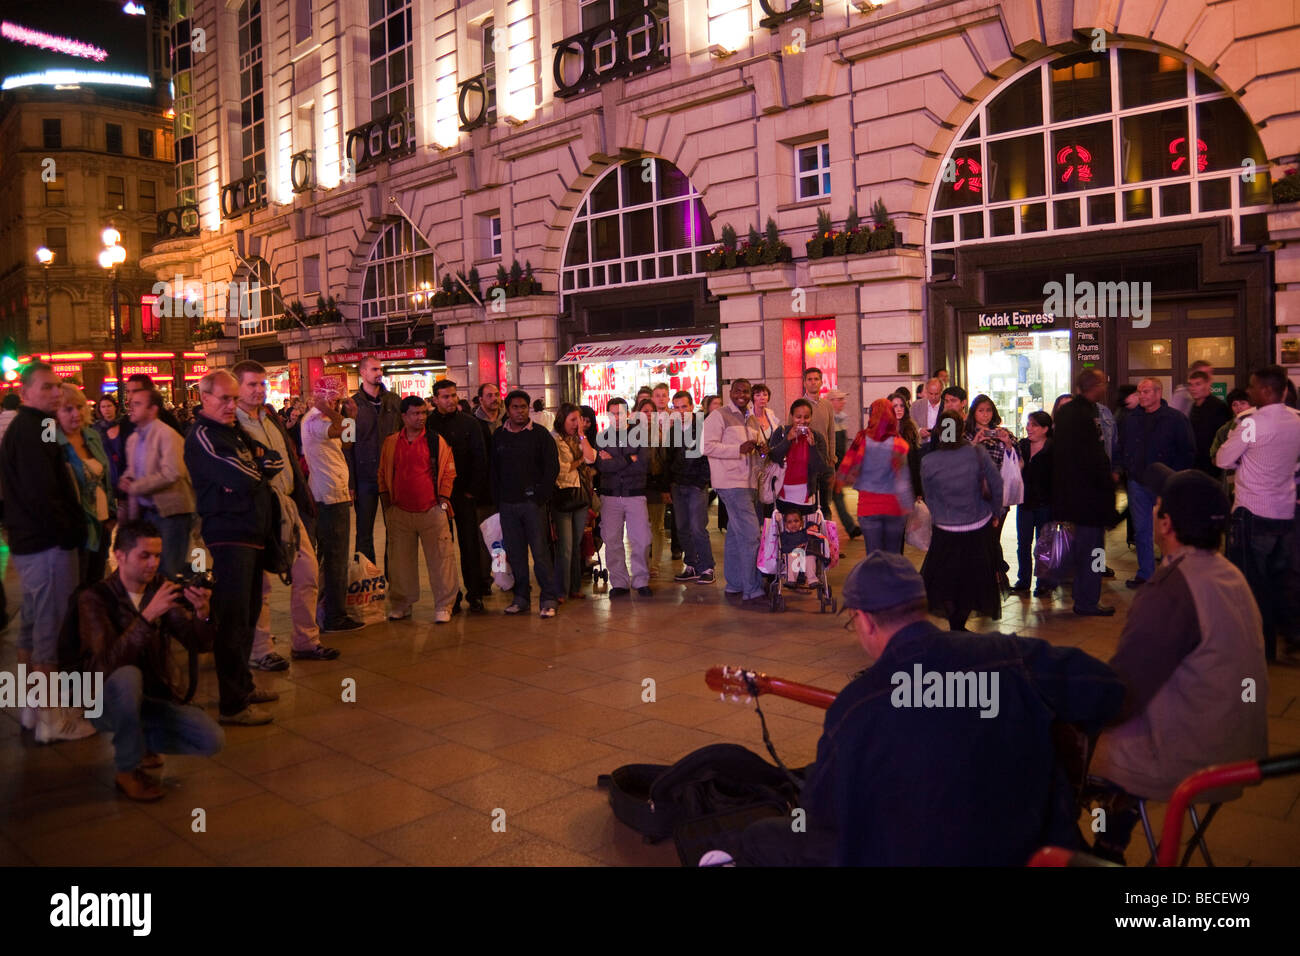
1284, 228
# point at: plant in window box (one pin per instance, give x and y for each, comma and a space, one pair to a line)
515, 280
502, 280
752, 250
774, 249
475, 283
530, 281
818, 245
729, 252
859, 238
461, 297
884, 236
1287, 189
329, 311
445, 296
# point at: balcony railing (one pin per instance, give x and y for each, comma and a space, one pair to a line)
475, 86
243, 195
634, 43
384, 138
302, 171
178, 221
775, 17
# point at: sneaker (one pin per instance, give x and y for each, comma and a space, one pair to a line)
516, 609
618, 593
317, 652
1134, 583
399, 615
263, 696
347, 624
717, 858
62, 724
269, 662
248, 717
645, 591
548, 612
706, 577
442, 617
686, 574
138, 785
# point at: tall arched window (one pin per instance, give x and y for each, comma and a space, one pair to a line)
1096, 141
640, 222
400, 267
256, 297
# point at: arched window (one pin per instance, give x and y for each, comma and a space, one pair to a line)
640, 222
1096, 141
256, 293
400, 267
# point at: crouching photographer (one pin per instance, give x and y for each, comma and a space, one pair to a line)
127, 623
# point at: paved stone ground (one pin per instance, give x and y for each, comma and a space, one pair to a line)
455, 721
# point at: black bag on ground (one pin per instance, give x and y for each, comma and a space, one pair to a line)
655, 799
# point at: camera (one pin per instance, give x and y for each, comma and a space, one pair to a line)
191, 579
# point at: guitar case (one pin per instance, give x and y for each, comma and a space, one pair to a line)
715, 788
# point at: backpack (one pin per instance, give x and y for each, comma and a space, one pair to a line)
717, 782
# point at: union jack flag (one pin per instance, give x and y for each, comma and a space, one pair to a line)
688, 346
577, 352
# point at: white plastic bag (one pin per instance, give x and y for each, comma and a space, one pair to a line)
367, 591
1013, 483
769, 548
918, 528
492, 540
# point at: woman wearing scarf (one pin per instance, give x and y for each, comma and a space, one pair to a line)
876, 465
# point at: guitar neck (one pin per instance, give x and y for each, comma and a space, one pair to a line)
803, 693
737, 681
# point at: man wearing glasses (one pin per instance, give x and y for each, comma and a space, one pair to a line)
232, 481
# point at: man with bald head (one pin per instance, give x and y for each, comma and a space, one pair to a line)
926, 408
232, 474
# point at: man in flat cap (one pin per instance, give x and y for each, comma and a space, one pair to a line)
941, 753
1192, 659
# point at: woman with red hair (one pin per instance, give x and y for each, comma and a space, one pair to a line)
876, 465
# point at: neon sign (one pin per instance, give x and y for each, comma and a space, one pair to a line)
1202, 154
970, 175
48, 41
1077, 162
76, 78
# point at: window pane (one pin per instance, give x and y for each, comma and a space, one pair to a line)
808, 187
1066, 213
1082, 158
1150, 353
1016, 168
1003, 221
1176, 200
1146, 78
638, 183
1018, 106
1033, 218
577, 251
672, 226
1154, 145
1219, 350
1137, 204
967, 179
605, 196
638, 233
1101, 210
1216, 194
972, 225
941, 229
604, 232
807, 159
672, 181
1229, 137
1080, 86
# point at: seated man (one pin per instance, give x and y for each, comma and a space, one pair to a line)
1192, 638
941, 753
127, 622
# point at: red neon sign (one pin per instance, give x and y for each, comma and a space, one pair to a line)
1202, 154
1077, 162
972, 178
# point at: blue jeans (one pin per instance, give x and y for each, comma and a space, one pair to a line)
332, 557
740, 555
140, 723
48, 579
367, 505
1261, 548
569, 526
882, 532
175, 531
1028, 521
691, 517
1087, 582
523, 528
1140, 503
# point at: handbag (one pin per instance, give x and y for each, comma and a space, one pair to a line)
771, 478
1054, 551
918, 529
1013, 483
569, 500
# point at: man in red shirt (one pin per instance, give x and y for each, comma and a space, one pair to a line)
416, 473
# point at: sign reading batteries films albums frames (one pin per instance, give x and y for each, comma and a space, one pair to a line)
1088, 342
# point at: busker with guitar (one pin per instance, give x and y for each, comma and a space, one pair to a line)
941, 753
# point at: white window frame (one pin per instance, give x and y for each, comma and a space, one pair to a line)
820, 173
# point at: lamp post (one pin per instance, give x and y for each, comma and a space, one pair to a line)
45, 257
110, 257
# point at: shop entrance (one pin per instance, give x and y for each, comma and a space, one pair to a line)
1022, 372
1183, 332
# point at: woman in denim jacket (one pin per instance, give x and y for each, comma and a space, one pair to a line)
876, 465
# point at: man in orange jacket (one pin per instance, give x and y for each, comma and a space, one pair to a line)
416, 474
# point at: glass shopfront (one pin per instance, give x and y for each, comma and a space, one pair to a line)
1022, 372
609, 369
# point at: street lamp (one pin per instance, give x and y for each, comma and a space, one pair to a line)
110, 257
45, 257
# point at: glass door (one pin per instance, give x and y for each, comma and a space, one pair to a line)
1183, 332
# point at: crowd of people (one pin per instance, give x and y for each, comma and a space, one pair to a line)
257, 496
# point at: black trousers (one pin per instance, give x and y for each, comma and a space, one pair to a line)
470, 544
236, 605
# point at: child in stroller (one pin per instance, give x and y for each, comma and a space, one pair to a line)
803, 553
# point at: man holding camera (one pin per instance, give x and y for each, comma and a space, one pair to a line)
126, 623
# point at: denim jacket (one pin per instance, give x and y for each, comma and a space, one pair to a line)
953, 480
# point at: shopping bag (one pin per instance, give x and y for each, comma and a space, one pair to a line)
1013, 484
491, 531
1054, 552
367, 590
769, 548
832, 543
771, 477
917, 530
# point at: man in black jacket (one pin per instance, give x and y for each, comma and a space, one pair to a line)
689, 470
525, 464
378, 416
464, 435
46, 526
1083, 490
232, 475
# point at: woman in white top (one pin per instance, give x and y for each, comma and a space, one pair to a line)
765, 422
576, 457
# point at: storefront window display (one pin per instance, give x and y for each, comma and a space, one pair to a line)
819, 351
1021, 371
694, 369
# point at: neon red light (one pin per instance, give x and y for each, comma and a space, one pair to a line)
971, 179
1202, 154
1077, 162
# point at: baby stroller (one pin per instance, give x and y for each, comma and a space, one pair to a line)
805, 546
592, 549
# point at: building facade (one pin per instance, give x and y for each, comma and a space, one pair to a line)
1054, 184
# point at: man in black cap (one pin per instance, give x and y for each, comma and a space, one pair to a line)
940, 753
1192, 659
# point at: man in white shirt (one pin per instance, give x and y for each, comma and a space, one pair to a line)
323, 429
1264, 446
925, 410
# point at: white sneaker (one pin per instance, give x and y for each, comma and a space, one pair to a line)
62, 724
717, 858
442, 617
